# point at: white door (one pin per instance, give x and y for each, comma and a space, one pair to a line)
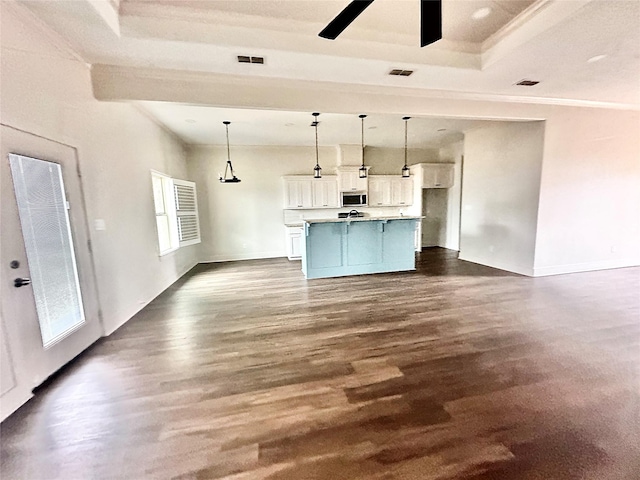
49, 303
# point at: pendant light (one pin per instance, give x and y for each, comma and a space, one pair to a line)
229, 167
405, 170
363, 169
317, 171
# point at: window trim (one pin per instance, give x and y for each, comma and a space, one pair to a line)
169, 212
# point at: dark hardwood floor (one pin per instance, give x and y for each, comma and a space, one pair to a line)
245, 370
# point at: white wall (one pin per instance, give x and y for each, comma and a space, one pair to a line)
245, 220
389, 161
589, 215
502, 167
46, 90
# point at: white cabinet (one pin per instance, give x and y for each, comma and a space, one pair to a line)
401, 191
349, 180
293, 235
379, 191
437, 175
390, 190
308, 192
297, 193
325, 192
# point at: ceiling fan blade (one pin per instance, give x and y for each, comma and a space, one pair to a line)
344, 19
430, 21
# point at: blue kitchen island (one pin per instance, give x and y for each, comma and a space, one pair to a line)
357, 246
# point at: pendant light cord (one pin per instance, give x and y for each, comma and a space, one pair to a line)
226, 125
316, 127
362, 137
406, 122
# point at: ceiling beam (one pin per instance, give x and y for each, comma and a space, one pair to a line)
120, 83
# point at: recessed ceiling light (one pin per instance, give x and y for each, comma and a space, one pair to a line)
372, 127
289, 124
442, 129
481, 13
190, 120
597, 58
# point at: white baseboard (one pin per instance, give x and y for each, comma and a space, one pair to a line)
585, 267
232, 257
519, 269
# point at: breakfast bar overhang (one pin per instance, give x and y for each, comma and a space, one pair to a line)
357, 246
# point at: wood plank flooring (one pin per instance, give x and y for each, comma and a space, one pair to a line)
246, 371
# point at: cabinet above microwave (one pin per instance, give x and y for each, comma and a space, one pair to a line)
349, 180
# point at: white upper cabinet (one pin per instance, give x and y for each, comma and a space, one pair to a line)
325, 192
349, 180
390, 190
307, 192
297, 192
379, 191
405, 191
437, 175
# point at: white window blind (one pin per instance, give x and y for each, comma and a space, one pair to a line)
186, 212
46, 229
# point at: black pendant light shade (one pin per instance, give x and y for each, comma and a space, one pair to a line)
228, 170
363, 170
405, 170
317, 171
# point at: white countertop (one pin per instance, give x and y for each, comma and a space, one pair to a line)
361, 219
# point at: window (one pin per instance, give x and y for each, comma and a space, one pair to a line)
48, 241
176, 212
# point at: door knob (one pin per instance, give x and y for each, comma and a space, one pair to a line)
20, 282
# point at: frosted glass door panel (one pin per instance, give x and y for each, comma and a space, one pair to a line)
44, 218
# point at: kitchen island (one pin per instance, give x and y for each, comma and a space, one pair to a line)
357, 246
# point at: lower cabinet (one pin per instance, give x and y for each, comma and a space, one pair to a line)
293, 238
336, 249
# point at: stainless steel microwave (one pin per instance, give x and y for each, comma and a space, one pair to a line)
354, 199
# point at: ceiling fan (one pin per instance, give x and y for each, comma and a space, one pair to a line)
430, 20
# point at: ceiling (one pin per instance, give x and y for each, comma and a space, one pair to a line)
197, 124
384, 17
551, 41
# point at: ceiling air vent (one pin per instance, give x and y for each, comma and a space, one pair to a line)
247, 59
527, 83
400, 73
